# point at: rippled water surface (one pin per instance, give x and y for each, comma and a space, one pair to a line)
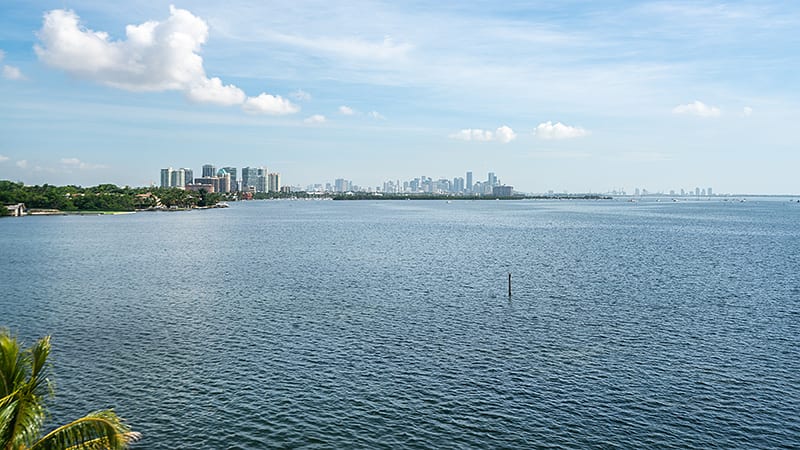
388, 324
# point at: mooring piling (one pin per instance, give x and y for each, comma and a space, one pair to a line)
509, 284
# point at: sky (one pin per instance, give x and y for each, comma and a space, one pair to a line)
575, 96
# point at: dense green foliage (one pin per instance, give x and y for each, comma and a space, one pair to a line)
26, 387
104, 197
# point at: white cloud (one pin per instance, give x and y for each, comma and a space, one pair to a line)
2, 55
155, 56
346, 110
300, 95
269, 104
472, 134
75, 163
747, 111
213, 91
316, 118
22, 164
376, 115
503, 134
697, 108
12, 73
3, 158
550, 131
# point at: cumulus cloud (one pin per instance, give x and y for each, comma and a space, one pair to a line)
747, 111
697, 108
155, 56
555, 131
213, 91
269, 104
346, 110
4, 158
22, 164
503, 134
376, 115
75, 163
316, 118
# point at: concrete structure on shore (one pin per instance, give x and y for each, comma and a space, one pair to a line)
17, 210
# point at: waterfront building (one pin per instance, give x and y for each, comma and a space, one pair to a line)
341, 185
209, 170
469, 181
492, 179
274, 182
234, 180
188, 176
177, 179
502, 191
249, 178
458, 185
166, 177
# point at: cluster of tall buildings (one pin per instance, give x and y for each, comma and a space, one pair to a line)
425, 185
224, 179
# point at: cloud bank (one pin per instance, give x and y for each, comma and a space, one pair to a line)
503, 134
697, 108
155, 56
550, 131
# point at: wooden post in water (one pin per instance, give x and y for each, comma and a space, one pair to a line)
509, 284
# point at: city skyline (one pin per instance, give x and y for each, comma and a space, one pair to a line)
575, 96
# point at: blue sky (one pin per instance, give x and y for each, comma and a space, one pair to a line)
573, 95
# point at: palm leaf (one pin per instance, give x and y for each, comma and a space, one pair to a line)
98, 430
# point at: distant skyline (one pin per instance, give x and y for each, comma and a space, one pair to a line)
571, 96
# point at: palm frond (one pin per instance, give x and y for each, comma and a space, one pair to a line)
98, 430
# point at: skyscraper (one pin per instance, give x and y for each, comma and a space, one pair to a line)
177, 178
188, 175
166, 177
492, 179
469, 181
209, 171
234, 181
274, 182
249, 178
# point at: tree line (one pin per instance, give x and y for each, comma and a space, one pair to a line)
103, 197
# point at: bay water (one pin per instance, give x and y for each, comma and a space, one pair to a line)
387, 324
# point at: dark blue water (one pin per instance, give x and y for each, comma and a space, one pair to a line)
387, 324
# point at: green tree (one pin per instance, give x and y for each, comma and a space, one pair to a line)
25, 389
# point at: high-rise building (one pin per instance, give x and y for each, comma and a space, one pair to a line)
249, 178
492, 179
274, 182
209, 171
341, 185
177, 179
234, 181
458, 185
188, 176
166, 177
469, 181
710, 192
